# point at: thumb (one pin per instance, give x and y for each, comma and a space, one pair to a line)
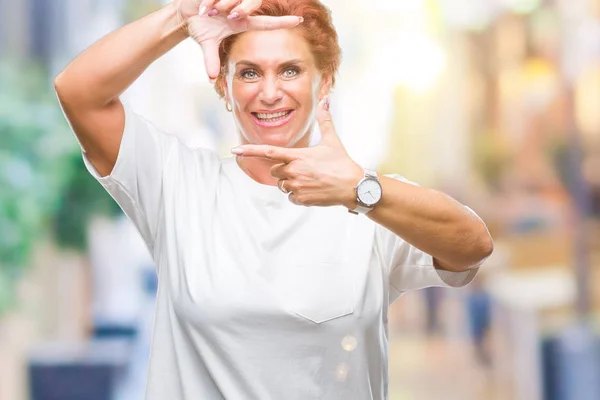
328, 134
210, 50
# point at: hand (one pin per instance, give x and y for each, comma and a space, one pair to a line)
208, 22
323, 175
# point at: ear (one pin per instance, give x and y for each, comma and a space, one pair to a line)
325, 87
225, 89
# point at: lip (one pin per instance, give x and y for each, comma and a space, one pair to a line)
274, 124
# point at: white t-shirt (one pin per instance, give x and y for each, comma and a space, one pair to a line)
259, 299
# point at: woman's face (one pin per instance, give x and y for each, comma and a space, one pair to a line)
274, 87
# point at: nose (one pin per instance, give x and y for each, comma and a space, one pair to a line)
270, 93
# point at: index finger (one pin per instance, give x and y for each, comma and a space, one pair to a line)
205, 5
246, 7
266, 151
267, 23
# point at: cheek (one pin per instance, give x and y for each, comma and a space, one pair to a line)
243, 94
302, 92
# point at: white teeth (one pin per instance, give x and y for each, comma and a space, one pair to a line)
272, 115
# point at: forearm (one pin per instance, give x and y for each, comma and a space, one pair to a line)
433, 222
108, 67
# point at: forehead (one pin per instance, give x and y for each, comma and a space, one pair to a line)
271, 47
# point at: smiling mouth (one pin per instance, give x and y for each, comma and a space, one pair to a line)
272, 120
272, 117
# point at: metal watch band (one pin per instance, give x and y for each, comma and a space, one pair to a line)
360, 210
370, 172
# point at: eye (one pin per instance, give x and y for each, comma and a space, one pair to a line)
291, 72
249, 74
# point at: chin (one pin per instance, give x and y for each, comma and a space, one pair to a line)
274, 138
278, 139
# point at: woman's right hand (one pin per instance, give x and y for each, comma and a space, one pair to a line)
208, 22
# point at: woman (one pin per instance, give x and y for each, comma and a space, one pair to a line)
262, 295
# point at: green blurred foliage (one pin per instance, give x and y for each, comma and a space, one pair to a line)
40, 178
82, 198
33, 141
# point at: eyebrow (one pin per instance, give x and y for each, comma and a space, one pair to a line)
255, 65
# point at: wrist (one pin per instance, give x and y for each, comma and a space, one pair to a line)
351, 203
350, 200
176, 25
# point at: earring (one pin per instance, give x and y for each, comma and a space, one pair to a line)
228, 106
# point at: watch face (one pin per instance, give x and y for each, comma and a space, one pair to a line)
369, 191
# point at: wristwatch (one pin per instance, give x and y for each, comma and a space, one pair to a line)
368, 192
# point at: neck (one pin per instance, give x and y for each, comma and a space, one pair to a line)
258, 169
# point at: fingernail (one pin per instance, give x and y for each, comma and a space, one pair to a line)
233, 15
301, 19
213, 12
237, 150
202, 10
326, 105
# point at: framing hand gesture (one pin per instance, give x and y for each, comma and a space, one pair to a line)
323, 175
208, 22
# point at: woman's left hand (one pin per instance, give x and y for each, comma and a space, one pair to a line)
323, 175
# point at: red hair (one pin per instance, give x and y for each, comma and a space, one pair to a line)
317, 29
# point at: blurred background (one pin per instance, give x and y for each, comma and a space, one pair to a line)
495, 102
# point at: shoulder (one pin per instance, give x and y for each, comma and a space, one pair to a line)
181, 152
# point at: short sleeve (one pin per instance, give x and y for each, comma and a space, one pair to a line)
410, 268
136, 179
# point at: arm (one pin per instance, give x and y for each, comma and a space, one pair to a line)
433, 222
89, 87
324, 175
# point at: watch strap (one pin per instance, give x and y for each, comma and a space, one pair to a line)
371, 173
360, 210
